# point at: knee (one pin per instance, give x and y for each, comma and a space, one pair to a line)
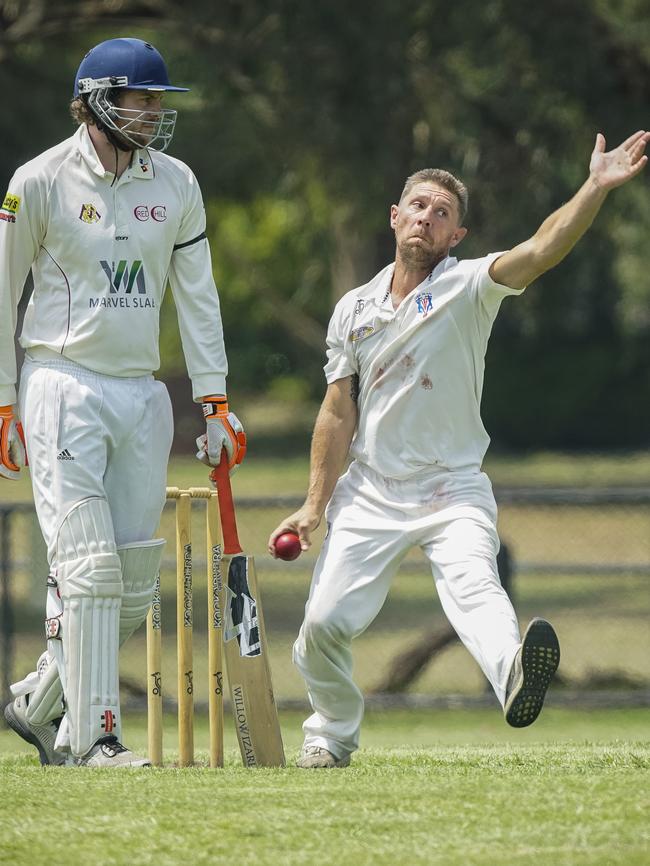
325, 627
87, 559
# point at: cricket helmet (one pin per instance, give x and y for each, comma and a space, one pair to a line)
126, 64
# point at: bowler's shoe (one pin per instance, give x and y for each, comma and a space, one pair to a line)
531, 672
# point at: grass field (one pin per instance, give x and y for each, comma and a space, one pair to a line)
451, 788
454, 787
269, 476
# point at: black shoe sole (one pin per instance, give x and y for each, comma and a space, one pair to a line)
17, 726
540, 657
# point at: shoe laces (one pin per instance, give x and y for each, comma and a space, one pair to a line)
111, 746
313, 750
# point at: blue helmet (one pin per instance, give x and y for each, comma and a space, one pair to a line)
126, 64
134, 64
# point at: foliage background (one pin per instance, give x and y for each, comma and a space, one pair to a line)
304, 120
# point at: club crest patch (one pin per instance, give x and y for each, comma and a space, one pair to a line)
89, 214
425, 302
361, 332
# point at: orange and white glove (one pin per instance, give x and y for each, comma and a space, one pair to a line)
12, 444
223, 430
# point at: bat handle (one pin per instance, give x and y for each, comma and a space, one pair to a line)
220, 477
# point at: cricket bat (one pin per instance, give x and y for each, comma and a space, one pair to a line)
245, 647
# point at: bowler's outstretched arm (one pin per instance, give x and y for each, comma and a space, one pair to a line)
561, 231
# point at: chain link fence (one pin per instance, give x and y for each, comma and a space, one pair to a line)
580, 558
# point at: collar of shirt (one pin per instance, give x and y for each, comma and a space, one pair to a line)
141, 165
382, 295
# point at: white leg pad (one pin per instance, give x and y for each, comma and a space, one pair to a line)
44, 689
140, 568
90, 584
46, 701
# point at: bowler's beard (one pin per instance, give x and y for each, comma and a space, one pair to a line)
417, 257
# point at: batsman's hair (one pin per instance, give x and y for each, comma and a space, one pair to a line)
80, 112
444, 179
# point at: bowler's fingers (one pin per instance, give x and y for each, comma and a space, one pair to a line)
638, 166
630, 142
303, 525
289, 525
599, 146
637, 150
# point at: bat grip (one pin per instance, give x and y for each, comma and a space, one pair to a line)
221, 478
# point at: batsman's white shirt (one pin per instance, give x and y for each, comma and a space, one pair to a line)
420, 367
101, 253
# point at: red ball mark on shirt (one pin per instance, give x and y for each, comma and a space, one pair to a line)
426, 382
381, 371
407, 362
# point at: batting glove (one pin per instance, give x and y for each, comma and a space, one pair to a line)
12, 444
223, 430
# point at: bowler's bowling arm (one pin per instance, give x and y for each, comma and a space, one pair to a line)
333, 432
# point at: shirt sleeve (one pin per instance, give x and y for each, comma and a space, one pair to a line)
485, 290
197, 301
340, 357
21, 233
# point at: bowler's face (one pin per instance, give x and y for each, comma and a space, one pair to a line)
426, 224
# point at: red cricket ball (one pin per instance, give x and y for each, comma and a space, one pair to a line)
287, 546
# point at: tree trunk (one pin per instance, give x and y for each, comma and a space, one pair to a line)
409, 664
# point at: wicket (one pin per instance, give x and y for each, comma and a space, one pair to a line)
184, 630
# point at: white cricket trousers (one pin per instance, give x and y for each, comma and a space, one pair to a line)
372, 523
90, 435
98, 448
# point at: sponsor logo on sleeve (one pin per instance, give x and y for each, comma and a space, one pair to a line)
10, 207
11, 203
89, 214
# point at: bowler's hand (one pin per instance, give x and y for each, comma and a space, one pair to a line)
223, 430
12, 444
303, 522
615, 167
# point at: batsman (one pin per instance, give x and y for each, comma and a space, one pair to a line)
104, 220
405, 375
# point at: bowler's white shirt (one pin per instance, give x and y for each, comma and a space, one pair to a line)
101, 253
420, 367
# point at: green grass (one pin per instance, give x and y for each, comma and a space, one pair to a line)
287, 476
448, 788
454, 788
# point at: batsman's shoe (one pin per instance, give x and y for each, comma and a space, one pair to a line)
532, 670
109, 752
315, 757
41, 736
